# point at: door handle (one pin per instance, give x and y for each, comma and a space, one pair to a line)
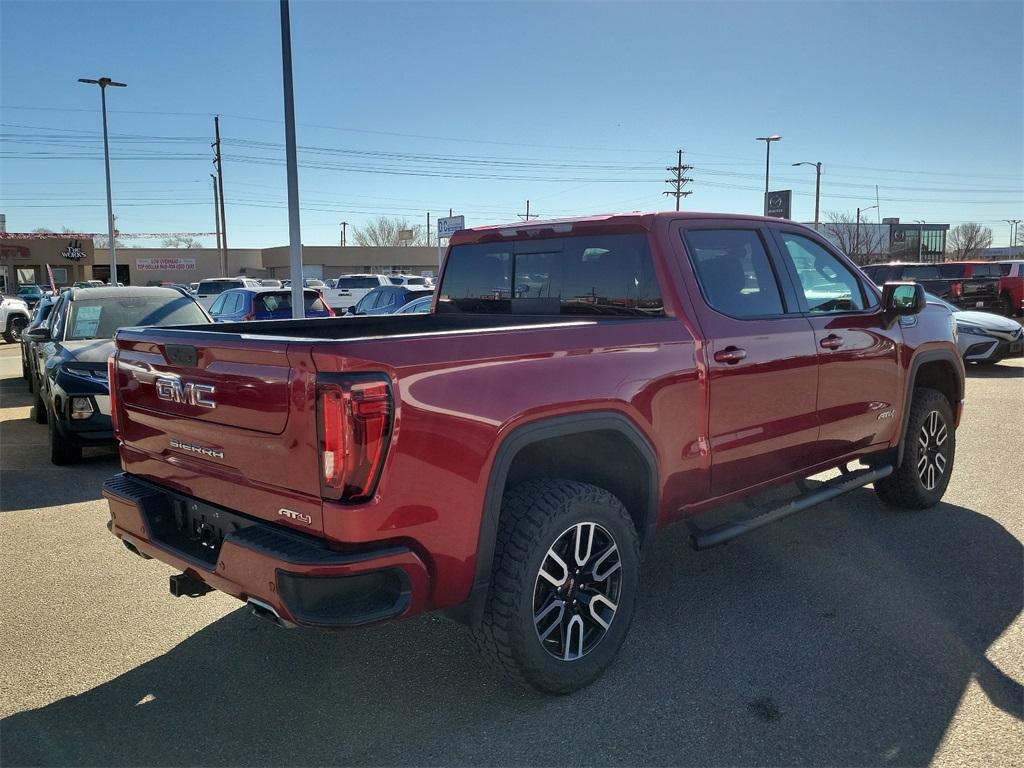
831, 341
730, 355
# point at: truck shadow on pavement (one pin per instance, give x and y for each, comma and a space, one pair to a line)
997, 371
843, 636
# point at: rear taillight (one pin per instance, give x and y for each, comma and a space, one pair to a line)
956, 290
112, 387
355, 425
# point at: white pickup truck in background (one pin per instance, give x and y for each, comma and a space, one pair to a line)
349, 289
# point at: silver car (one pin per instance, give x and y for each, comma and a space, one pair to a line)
984, 337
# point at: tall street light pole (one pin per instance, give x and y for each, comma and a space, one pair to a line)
817, 189
103, 82
920, 237
291, 158
1013, 232
767, 162
856, 239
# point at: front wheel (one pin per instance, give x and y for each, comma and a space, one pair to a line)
564, 585
62, 452
929, 447
1006, 305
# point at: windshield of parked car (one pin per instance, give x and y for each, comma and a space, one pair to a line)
582, 275
100, 318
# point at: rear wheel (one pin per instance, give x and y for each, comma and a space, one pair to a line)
564, 584
929, 447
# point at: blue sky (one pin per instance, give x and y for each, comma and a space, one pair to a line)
409, 108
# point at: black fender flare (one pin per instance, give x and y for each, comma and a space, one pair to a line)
928, 356
518, 439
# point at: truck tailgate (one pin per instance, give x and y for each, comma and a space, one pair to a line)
228, 419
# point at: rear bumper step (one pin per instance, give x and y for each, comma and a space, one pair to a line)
294, 580
846, 482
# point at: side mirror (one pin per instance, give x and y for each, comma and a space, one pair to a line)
38, 334
901, 299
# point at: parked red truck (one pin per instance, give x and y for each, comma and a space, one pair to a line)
507, 458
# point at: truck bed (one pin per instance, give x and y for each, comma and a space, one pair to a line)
379, 326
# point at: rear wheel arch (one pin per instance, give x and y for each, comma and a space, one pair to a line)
605, 449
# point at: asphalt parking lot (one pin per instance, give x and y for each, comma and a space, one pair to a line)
848, 635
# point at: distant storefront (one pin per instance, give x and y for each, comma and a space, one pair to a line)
24, 261
917, 242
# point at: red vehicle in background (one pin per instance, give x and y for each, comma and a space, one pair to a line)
1011, 287
508, 457
966, 284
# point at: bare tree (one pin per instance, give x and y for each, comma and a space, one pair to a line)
864, 244
181, 241
966, 241
387, 230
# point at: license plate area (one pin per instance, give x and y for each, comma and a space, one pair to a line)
192, 528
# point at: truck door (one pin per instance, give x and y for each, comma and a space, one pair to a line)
760, 354
859, 376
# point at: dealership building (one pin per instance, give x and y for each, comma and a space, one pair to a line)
72, 258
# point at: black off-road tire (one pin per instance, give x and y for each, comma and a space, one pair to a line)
535, 515
39, 411
1006, 306
62, 452
907, 487
15, 326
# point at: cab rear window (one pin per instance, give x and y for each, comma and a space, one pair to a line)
586, 275
357, 282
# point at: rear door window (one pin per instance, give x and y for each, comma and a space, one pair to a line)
734, 272
951, 270
923, 272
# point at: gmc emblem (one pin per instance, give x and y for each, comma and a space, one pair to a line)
177, 391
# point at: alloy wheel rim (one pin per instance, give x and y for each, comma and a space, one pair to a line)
932, 447
577, 591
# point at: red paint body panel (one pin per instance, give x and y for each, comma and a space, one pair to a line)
716, 430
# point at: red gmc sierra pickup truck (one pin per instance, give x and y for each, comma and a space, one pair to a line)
508, 457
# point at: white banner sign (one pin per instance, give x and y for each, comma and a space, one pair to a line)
449, 225
165, 264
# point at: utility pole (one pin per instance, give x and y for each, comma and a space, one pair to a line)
103, 82
218, 161
679, 180
428, 227
527, 216
344, 233
216, 210
292, 162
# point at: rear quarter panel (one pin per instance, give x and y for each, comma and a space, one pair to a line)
451, 417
